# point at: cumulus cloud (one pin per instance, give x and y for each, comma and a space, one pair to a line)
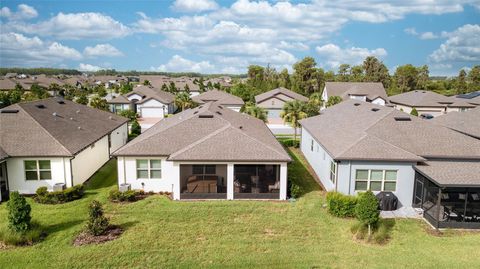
460, 46
179, 64
194, 5
89, 67
102, 50
335, 56
23, 12
424, 35
20, 50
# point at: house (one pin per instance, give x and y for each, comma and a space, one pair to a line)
428, 102
208, 152
467, 122
54, 141
372, 92
472, 98
355, 146
223, 98
273, 101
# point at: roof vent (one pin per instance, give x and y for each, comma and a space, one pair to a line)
71, 118
218, 112
40, 106
79, 128
200, 106
78, 111
9, 111
356, 104
240, 127
375, 109
207, 116
61, 102
195, 112
402, 119
54, 114
221, 107
110, 117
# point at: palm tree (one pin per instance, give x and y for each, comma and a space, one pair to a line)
256, 111
292, 113
184, 101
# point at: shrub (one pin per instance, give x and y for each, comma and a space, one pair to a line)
56, 197
367, 211
34, 234
128, 196
135, 129
341, 205
295, 190
414, 112
290, 142
42, 191
97, 223
381, 231
18, 213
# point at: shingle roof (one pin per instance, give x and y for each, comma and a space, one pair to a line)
220, 97
55, 130
3, 154
422, 99
147, 93
471, 98
353, 130
209, 132
371, 90
451, 173
467, 122
266, 95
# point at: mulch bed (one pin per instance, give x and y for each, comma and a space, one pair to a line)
86, 238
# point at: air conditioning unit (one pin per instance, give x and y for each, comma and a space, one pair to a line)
124, 187
59, 187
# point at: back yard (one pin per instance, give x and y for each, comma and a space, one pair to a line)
163, 233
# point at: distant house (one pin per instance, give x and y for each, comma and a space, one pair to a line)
467, 122
274, 100
356, 146
225, 99
428, 102
54, 141
372, 92
472, 98
209, 152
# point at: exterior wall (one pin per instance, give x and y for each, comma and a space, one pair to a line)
378, 101
457, 109
134, 96
88, 161
358, 97
159, 107
319, 159
118, 137
235, 108
113, 108
275, 102
434, 111
60, 168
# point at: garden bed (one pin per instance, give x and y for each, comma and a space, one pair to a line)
86, 238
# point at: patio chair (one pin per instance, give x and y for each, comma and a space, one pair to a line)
448, 214
274, 187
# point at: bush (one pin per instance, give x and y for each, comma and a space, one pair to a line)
290, 142
135, 129
18, 213
97, 222
118, 196
341, 205
295, 190
57, 197
367, 211
381, 232
29, 237
414, 112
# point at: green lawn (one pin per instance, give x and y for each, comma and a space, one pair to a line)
164, 233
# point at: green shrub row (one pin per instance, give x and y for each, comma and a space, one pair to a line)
43, 196
289, 142
341, 205
127, 196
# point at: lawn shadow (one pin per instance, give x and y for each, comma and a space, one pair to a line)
126, 225
55, 228
105, 177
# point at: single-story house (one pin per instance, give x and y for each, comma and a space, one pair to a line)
355, 146
472, 98
147, 101
223, 98
273, 101
208, 152
428, 102
52, 141
372, 92
467, 122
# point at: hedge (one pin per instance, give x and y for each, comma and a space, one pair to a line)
43, 196
341, 205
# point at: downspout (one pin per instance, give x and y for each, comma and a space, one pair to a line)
336, 176
71, 170
349, 176
64, 172
124, 172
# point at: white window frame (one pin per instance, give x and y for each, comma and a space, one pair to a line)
333, 173
369, 179
311, 144
149, 168
37, 170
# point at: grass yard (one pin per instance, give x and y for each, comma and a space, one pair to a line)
242, 234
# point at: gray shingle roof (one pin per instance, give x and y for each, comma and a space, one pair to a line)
208, 133
451, 173
467, 122
371, 90
220, 96
3, 154
54, 130
352, 130
266, 95
147, 93
426, 99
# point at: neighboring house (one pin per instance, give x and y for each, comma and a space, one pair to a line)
273, 101
3, 175
147, 101
467, 122
225, 99
355, 146
472, 98
372, 92
53, 141
208, 152
428, 102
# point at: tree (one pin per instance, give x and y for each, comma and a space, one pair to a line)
376, 71
126, 88
99, 103
314, 104
461, 82
172, 88
130, 114
184, 101
37, 92
474, 78
100, 90
414, 112
256, 111
18, 213
135, 129
82, 99
406, 77
187, 89
292, 113
422, 77
333, 100
343, 72
147, 83
55, 88
356, 73
366, 210
284, 79
305, 76
97, 223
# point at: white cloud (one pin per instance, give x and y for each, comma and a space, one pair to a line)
179, 64
102, 50
335, 56
411, 31
428, 35
20, 50
89, 67
23, 12
423, 36
461, 46
194, 5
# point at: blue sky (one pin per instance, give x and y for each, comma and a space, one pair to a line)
210, 36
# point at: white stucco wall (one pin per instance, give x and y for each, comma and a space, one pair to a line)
434, 111
378, 101
155, 109
60, 168
134, 96
234, 108
118, 137
89, 160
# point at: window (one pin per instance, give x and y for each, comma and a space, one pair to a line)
375, 180
333, 171
147, 169
204, 169
38, 170
311, 145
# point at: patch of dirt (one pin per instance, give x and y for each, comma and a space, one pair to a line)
269, 232
3, 246
86, 238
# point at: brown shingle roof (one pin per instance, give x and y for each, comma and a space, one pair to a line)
451, 173
147, 93
266, 95
3, 154
467, 122
7, 84
208, 133
371, 90
421, 99
222, 97
54, 130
